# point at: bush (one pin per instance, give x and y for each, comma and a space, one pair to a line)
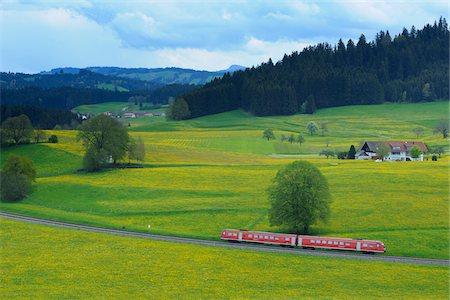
16, 177
15, 186
434, 158
342, 155
53, 139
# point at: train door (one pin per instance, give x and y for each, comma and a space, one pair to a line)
293, 242
240, 236
358, 246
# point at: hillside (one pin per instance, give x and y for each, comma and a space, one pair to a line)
157, 76
203, 175
410, 67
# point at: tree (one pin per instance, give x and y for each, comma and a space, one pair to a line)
300, 139
39, 135
299, 197
312, 127
283, 137
17, 128
16, 177
437, 150
291, 138
323, 127
382, 150
178, 110
268, 134
327, 152
418, 131
442, 127
53, 139
415, 152
351, 152
140, 150
103, 137
136, 150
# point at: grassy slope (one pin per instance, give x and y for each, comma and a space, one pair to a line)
211, 173
52, 263
114, 107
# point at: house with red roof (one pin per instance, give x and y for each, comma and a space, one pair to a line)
398, 151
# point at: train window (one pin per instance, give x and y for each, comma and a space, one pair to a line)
250, 236
256, 236
371, 245
271, 237
378, 246
347, 244
312, 241
235, 234
324, 242
341, 243
266, 237
330, 242
229, 233
287, 239
335, 242
365, 245
276, 238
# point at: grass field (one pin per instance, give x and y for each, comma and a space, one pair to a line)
113, 107
210, 173
52, 263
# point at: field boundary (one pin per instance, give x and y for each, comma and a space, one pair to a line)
260, 248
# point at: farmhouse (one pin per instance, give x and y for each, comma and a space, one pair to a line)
398, 151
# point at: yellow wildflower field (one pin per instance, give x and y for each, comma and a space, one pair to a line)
40, 262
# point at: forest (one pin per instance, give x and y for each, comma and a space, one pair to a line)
409, 67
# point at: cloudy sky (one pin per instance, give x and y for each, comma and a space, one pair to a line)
204, 35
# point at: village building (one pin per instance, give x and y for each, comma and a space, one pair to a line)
398, 151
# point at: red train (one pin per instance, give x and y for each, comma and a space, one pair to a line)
305, 241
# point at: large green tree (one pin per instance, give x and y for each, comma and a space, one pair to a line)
104, 138
299, 197
16, 177
178, 110
17, 129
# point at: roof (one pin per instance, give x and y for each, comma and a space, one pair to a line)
394, 145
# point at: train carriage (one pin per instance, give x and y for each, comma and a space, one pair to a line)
259, 237
318, 242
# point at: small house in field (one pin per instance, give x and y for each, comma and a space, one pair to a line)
398, 151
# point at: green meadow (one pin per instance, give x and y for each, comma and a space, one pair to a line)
113, 107
203, 175
53, 263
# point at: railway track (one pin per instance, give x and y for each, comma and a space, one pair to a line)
245, 246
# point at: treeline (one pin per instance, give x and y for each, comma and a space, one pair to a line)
410, 67
82, 79
42, 118
70, 97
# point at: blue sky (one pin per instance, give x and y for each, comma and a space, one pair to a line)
204, 35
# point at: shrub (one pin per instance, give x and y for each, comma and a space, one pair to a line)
53, 139
16, 177
342, 155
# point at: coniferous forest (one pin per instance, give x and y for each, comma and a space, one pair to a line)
409, 67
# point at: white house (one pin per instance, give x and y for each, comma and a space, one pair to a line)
398, 151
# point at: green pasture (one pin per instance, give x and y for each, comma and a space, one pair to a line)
113, 107
210, 173
54, 263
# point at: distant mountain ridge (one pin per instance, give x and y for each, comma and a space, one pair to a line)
158, 76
